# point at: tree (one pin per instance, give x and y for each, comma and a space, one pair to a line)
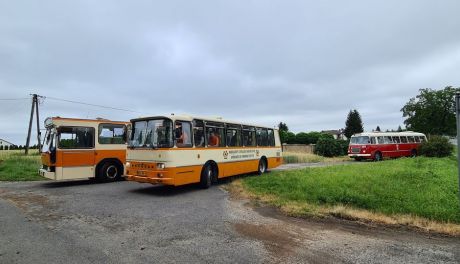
377, 129
399, 129
283, 127
432, 111
353, 124
287, 137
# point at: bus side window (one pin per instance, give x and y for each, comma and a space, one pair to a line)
396, 140
262, 137
380, 140
233, 135
387, 140
373, 141
411, 139
271, 137
215, 134
76, 137
112, 134
417, 139
422, 139
183, 134
249, 134
404, 139
198, 133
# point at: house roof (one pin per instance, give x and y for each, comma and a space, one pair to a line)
6, 141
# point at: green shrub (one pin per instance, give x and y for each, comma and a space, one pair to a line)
436, 146
328, 147
343, 146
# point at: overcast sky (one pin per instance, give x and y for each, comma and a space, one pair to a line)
306, 63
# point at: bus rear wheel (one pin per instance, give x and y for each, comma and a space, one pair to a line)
207, 175
413, 153
262, 166
378, 156
109, 171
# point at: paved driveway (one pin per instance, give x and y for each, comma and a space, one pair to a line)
126, 222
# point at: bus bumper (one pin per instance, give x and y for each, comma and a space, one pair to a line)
143, 179
357, 155
47, 174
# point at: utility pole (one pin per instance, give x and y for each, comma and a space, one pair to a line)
34, 107
457, 110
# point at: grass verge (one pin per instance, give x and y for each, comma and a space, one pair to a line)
419, 192
15, 166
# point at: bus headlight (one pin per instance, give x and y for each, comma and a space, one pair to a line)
128, 164
160, 166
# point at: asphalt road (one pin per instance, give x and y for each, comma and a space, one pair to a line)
126, 222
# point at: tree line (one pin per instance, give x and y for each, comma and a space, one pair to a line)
14, 147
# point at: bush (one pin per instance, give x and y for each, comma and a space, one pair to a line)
437, 146
328, 147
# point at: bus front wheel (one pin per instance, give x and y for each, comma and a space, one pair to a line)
378, 156
206, 176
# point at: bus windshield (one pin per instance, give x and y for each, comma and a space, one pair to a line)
48, 141
360, 140
154, 133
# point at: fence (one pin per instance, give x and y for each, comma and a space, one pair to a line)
299, 148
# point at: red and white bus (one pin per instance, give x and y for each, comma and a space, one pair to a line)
379, 145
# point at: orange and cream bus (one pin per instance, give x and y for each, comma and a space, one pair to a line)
177, 150
83, 148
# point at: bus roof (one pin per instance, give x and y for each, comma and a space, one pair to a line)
190, 118
376, 134
66, 120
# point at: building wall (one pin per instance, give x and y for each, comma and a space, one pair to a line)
299, 148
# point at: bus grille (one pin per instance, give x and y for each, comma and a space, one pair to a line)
355, 150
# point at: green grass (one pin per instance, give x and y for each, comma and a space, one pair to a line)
294, 157
424, 187
15, 166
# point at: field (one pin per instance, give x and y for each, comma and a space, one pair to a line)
294, 157
406, 190
15, 166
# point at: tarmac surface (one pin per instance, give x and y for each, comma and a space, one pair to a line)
127, 222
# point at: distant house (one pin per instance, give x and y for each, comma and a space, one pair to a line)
337, 134
5, 145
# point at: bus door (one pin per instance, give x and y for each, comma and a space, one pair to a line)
76, 155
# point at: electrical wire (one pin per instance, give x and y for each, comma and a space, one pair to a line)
13, 99
96, 105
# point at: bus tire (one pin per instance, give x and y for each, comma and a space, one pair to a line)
206, 176
109, 171
378, 156
413, 153
358, 159
262, 168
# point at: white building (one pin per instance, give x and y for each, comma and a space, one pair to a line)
5, 144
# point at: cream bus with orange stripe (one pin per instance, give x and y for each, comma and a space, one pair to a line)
83, 148
177, 150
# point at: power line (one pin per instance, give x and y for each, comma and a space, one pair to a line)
89, 104
13, 99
